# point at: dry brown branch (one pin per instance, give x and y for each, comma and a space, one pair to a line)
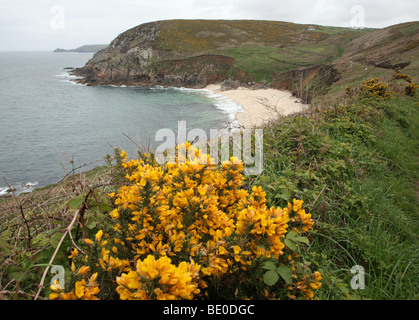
67, 230
15, 293
40, 211
312, 206
79, 213
23, 215
69, 173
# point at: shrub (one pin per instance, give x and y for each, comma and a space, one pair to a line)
405, 77
374, 88
410, 89
187, 230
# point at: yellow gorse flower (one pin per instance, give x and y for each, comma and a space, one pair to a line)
99, 235
375, 88
74, 254
83, 270
82, 290
184, 224
169, 282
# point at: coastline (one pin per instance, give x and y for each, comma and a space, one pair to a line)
248, 108
259, 105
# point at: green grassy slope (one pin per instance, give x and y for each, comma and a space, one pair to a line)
263, 50
260, 48
286, 55
355, 163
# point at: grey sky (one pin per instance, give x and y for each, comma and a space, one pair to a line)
49, 24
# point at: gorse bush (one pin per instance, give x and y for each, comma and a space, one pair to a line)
411, 87
187, 230
375, 88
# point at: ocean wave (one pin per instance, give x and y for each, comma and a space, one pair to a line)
221, 102
18, 188
115, 86
67, 75
69, 78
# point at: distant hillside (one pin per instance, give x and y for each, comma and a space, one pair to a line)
195, 53
85, 48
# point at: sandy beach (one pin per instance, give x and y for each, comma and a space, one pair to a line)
260, 105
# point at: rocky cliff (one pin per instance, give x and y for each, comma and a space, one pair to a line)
137, 57
195, 53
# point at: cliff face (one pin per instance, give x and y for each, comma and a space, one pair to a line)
124, 60
134, 58
195, 53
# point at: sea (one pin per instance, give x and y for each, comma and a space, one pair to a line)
48, 122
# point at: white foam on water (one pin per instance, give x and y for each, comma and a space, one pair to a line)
69, 78
3, 191
224, 104
115, 86
221, 102
18, 188
67, 75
